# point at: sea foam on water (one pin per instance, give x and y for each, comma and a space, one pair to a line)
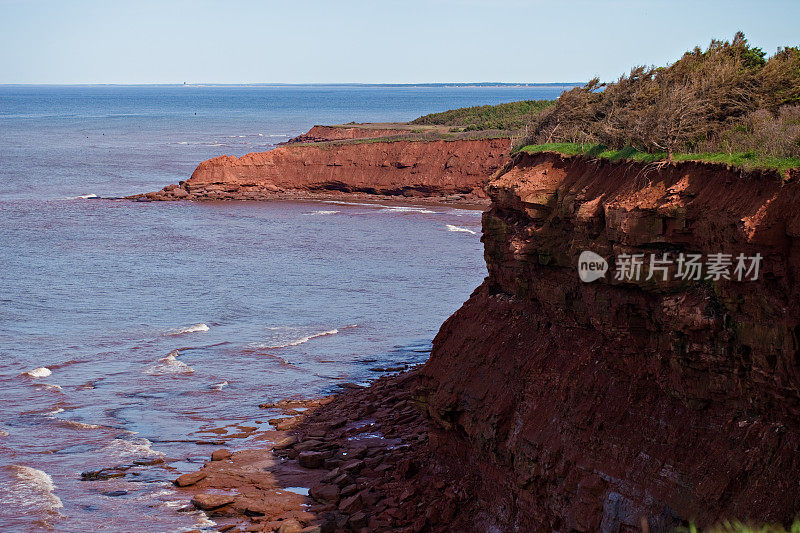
39, 372
29, 490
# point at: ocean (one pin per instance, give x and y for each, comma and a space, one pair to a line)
150, 332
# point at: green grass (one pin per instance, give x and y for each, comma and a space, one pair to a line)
427, 136
510, 116
745, 160
740, 527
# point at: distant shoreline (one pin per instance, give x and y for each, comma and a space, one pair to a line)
365, 85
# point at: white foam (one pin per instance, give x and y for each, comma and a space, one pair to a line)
176, 504
451, 227
51, 387
405, 209
39, 372
299, 340
170, 365
164, 492
194, 328
219, 386
30, 491
82, 197
131, 448
303, 340
79, 425
384, 207
203, 521
322, 212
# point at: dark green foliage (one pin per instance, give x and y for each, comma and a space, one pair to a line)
510, 117
727, 98
741, 527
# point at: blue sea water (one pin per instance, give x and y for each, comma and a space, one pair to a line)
131, 331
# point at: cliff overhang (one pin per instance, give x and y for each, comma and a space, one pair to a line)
597, 406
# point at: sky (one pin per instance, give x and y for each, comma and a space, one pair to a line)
377, 41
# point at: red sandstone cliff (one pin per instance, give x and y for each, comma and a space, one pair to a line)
593, 406
549, 404
379, 166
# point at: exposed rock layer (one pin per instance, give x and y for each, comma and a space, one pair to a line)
453, 170
593, 406
549, 404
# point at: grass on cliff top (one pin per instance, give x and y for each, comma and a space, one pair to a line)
412, 136
744, 160
740, 527
510, 116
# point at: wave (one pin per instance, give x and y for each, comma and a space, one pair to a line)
83, 197
50, 387
194, 328
131, 448
203, 521
384, 207
39, 372
30, 491
170, 365
78, 425
219, 386
405, 209
322, 213
451, 227
69, 423
303, 340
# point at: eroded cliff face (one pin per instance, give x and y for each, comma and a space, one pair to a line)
400, 168
594, 406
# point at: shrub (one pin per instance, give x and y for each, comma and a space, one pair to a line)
725, 98
511, 116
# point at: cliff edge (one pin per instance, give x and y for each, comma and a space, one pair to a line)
386, 160
627, 403
603, 406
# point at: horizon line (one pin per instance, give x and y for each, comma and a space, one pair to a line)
281, 84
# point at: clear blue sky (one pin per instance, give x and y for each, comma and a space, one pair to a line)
379, 41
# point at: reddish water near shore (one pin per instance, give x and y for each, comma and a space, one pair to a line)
135, 332
177, 330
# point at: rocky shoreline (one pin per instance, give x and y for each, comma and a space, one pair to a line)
363, 455
469, 200
365, 161
550, 404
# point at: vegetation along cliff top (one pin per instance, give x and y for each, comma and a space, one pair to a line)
729, 103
